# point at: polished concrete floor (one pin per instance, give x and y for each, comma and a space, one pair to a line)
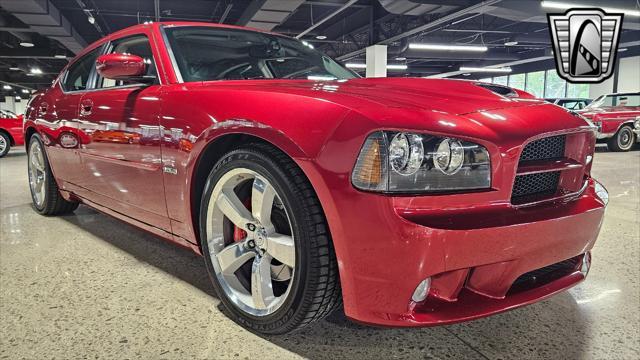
89, 286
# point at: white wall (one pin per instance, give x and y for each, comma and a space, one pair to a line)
605, 87
20, 106
629, 74
628, 79
8, 104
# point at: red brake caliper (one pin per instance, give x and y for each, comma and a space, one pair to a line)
238, 234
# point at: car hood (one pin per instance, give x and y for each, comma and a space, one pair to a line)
454, 97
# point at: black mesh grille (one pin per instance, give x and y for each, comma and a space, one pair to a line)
533, 187
544, 275
544, 149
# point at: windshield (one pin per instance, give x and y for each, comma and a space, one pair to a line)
607, 101
206, 53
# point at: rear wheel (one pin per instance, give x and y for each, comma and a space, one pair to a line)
623, 140
45, 194
266, 243
5, 144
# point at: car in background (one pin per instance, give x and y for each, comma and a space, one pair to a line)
616, 116
10, 131
570, 103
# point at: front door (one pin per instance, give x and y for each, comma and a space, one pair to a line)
120, 153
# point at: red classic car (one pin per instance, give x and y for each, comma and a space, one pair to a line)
11, 133
617, 117
414, 202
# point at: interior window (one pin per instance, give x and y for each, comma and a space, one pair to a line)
77, 76
134, 45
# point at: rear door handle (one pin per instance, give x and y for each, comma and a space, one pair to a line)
42, 109
86, 107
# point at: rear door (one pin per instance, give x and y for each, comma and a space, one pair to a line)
121, 151
56, 116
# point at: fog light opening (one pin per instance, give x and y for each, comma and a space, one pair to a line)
421, 291
586, 263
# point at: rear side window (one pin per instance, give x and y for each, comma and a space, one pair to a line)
77, 77
134, 45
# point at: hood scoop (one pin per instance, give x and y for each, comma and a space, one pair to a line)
499, 89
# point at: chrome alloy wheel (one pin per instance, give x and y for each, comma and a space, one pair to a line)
37, 173
255, 269
3, 144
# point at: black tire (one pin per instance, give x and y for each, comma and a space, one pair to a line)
54, 203
623, 140
7, 144
315, 290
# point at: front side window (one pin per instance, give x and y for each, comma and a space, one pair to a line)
77, 77
206, 53
134, 45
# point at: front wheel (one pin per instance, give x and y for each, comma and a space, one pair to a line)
266, 242
623, 140
5, 144
45, 194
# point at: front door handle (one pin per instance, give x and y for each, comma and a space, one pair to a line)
86, 106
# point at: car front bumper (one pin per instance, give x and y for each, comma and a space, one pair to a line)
473, 256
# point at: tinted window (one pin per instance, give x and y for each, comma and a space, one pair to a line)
77, 76
205, 53
134, 45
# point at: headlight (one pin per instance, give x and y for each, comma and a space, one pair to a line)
403, 162
406, 153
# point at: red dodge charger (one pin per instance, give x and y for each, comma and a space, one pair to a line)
414, 202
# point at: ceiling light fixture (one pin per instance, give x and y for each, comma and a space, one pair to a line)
397, 67
485, 69
477, 48
389, 66
14, 68
321, 37
35, 71
622, 49
510, 43
401, 58
566, 5
7, 87
26, 44
25, 91
60, 56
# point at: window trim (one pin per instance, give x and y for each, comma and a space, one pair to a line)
174, 62
91, 78
108, 46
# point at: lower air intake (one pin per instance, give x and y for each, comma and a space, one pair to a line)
533, 187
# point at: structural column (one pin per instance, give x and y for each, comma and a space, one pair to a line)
377, 61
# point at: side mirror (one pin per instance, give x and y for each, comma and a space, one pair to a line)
123, 67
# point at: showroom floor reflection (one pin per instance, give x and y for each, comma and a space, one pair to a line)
87, 284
